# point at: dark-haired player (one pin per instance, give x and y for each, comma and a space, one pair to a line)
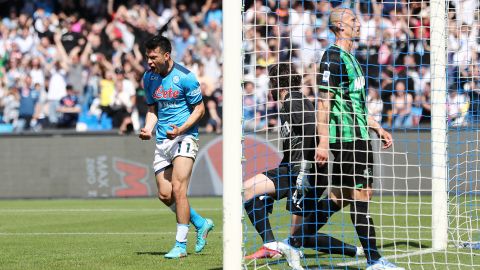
174, 108
297, 168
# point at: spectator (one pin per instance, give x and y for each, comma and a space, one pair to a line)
402, 106
141, 107
27, 114
69, 109
426, 104
252, 112
211, 120
458, 104
204, 78
374, 104
10, 103
261, 84
210, 62
213, 12
310, 49
120, 108
56, 90
183, 42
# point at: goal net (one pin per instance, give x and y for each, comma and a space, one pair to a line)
420, 64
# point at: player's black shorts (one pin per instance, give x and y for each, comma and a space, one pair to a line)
353, 164
284, 178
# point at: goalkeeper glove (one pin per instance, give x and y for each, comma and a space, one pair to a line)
302, 184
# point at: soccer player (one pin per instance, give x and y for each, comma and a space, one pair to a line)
343, 125
297, 117
174, 108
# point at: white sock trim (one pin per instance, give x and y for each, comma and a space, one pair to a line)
182, 231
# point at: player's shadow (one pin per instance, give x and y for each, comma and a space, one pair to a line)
327, 266
405, 243
313, 266
151, 253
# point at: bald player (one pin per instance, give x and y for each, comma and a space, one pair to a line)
343, 127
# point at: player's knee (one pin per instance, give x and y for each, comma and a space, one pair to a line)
165, 198
179, 190
248, 192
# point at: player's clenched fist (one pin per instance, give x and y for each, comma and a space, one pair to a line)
321, 155
145, 134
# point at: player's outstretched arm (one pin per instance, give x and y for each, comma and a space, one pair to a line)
150, 122
197, 114
384, 135
323, 118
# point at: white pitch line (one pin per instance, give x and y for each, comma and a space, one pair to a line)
53, 210
415, 253
90, 233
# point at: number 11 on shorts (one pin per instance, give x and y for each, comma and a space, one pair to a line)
180, 147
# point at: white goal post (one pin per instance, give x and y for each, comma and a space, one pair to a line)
438, 56
232, 135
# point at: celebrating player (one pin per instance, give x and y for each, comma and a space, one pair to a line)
297, 117
343, 124
174, 107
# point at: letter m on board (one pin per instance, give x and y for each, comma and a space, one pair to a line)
133, 179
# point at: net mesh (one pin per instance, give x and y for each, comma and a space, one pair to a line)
393, 50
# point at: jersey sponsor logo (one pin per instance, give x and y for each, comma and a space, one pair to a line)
161, 93
153, 77
167, 104
176, 79
359, 83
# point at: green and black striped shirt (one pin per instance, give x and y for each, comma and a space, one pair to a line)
341, 74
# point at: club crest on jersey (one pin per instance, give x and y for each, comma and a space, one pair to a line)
176, 79
161, 93
367, 173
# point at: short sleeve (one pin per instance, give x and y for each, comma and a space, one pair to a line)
331, 78
192, 90
146, 86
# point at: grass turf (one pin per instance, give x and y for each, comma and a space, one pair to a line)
136, 233
403, 229
101, 234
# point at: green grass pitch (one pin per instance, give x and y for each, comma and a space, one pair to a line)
136, 233
101, 234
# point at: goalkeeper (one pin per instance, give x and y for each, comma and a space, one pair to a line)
343, 124
297, 168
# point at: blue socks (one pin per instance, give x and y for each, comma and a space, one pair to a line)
197, 220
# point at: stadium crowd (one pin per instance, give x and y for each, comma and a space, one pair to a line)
79, 64
393, 49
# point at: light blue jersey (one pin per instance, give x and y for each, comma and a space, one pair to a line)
174, 96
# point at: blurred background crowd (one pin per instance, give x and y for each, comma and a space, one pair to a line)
79, 64
393, 48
